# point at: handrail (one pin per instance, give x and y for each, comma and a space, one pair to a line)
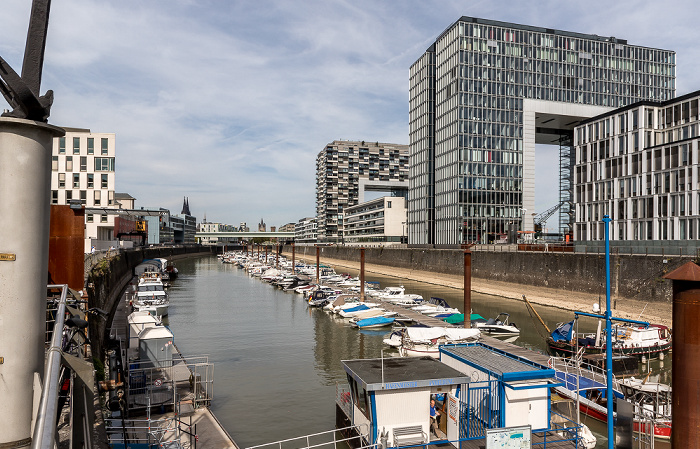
45, 428
279, 443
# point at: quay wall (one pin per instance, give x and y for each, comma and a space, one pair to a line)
632, 276
108, 277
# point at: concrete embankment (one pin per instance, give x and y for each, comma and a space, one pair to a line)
108, 277
567, 281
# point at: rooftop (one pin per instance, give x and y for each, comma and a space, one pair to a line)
405, 372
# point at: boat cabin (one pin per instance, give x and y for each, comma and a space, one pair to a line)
505, 390
389, 399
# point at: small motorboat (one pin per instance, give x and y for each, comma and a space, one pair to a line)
374, 322
496, 326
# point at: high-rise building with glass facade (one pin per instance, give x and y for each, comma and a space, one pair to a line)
345, 170
640, 165
484, 94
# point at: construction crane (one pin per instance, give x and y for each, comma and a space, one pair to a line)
542, 217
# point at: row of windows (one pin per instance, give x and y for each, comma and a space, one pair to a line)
90, 181
659, 229
100, 163
90, 148
97, 197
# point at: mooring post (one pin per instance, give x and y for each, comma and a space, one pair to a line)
467, 287
685, 364
362, 274
294, 264
318, 263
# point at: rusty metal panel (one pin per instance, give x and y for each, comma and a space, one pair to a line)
66, 247
686, 365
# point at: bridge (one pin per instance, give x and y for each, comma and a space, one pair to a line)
246, 235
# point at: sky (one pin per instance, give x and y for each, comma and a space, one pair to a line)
228, 102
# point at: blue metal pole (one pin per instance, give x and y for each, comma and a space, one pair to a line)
608, 335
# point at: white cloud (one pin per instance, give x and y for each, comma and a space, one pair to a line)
228, 103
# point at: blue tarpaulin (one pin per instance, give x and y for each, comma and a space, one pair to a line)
564, 332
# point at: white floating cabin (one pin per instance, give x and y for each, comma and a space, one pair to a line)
388, 400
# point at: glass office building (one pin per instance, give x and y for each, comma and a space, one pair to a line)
484, 94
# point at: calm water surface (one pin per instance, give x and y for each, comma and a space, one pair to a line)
277, 361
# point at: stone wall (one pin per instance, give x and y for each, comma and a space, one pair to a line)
109, 276
632, 276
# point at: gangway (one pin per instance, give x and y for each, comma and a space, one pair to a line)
305, 442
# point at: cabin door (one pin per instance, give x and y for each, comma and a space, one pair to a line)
452, 417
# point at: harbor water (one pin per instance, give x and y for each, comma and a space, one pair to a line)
277, 361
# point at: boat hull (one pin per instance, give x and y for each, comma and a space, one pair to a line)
566, 349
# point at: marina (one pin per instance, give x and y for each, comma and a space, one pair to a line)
307, 342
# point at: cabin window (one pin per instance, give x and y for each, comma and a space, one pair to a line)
359, 396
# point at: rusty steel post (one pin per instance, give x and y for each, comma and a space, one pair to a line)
362, 274
294, 264
318, 263
467, 287
685, 364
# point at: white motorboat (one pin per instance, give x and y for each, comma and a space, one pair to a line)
425, 341
150, 295
496, 326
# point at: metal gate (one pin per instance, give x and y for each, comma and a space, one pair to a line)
479, 409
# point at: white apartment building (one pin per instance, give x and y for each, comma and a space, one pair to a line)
381, 221
82, 169
639, 165
305, 230
216, 227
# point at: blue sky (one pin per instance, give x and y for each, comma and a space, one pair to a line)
228, 102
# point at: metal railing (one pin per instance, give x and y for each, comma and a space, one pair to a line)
45, 428
307, 439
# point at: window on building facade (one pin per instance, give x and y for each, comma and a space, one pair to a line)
54, 197
91, 145
69, 163
89, 218
90, 181
110, 197
83, 197
69, 196
83, 163
76, 145
105, 145
98, 198
104, 164
103, 218
54, 163
61, 180
104, 181
76, 180
61, 145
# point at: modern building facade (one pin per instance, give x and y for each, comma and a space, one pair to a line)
216, 227
382, 220
481, 97
306, 230
82, 169
345, 170
639, 165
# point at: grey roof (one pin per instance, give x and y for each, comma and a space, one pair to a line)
403, 372
489, 360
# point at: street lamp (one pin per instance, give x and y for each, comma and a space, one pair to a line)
403, 231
